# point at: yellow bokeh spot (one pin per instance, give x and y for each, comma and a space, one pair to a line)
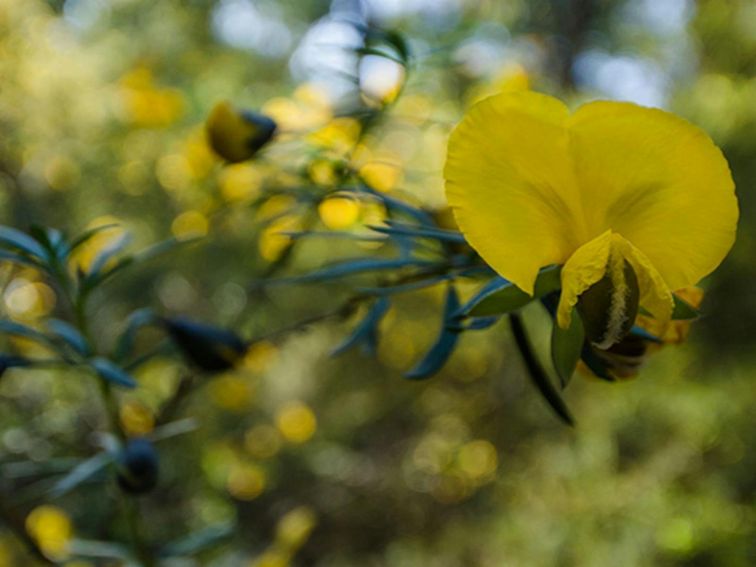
338, 213
478, 459
231, 392
339, 135
136, 418
144, 104
323, 172
240, 182
260, 356
51, 528
134, 176
272, 558
246, 481
61, 172
274, 240
275, 206
262, 441
308, 108
28, 300
295, 528
199, 157
381, 175
173, 172
189, 224
296, 422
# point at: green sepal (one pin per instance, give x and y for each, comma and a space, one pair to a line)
566, 347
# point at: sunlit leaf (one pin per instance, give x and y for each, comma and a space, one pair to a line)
70, 335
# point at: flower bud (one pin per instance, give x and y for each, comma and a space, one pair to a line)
237, 135
138, 466
209, 348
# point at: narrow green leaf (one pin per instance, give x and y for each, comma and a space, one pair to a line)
17, 329
566, 347
501, 296
199, 541
536, 372
112, 372
125, 344
82, 472
70, 335
12, 238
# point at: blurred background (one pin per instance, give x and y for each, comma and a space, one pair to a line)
339, 461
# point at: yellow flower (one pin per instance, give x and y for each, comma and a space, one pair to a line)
635, 198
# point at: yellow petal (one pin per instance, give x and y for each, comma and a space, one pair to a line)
656, 297
584, 268
658, 181
509, 181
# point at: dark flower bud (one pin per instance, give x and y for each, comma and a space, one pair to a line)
211, 349
138, 466
237, 135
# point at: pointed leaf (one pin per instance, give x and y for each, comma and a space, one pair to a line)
566, 346
112, 372
19, 330
136, 321
502, 296
82, 472
107, 253
70, 335
536, 372
87, 235
12, 238
395, 228
443, 348
366, 332
199, 541
358, 266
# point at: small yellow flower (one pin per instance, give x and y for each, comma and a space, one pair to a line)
612, 191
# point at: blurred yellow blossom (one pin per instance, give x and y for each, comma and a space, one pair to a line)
146, 104
189, 224
231, 392
51, 528
339, 135
26, 299
246, 481
295, 528
260, 355
296, 422
136, 418
262, 441
240, 182
339, 212
478, 460
61, 172
308, 108
274, 240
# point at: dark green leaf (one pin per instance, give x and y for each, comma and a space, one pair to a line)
12, 238
566, 347
366, 333
19, 330
502, 296
12, 361
358, 266
684, 310
536, 372
401, 229
70, 335
443, 348
112, 372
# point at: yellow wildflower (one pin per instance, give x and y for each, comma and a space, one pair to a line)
634, 198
